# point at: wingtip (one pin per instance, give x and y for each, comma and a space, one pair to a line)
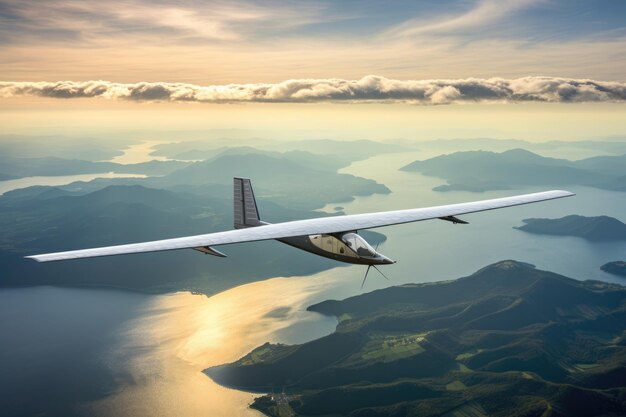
45, 257
560, 193
33, 257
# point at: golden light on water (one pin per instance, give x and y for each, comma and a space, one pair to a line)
162, 353
140, 152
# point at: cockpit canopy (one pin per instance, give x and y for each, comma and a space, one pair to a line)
358, 244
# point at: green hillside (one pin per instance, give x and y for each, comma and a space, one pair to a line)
508, 340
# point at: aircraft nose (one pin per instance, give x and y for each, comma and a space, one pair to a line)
386, 261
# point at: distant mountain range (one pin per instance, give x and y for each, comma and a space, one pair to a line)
591, 228
352, 150
52, 166
297, 179
278, 178
482, 171
84, 148
324, 162
507, 340
25, 156
613, 146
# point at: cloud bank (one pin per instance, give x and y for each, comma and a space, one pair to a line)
368, 89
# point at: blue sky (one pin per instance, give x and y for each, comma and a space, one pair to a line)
531, 20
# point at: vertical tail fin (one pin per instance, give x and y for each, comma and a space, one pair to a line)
246, 211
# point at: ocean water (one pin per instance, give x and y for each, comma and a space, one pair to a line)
96, 352
52, 347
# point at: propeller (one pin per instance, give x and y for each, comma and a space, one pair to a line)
368, 270
365, 277
380, 272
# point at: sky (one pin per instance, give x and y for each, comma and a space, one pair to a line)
415, 69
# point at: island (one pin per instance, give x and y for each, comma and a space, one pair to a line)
616, 268
600, 228
479, 171
507, 340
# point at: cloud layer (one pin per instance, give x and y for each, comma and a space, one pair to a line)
368, 89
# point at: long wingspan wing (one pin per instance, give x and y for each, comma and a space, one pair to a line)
307, 227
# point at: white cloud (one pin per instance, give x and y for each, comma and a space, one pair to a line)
367, 89
483, 13
175, 22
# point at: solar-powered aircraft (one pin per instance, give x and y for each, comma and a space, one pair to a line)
331, 237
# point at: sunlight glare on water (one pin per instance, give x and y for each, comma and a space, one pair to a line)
140, 152
162, 353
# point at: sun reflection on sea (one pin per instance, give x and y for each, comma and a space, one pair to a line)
161, 354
